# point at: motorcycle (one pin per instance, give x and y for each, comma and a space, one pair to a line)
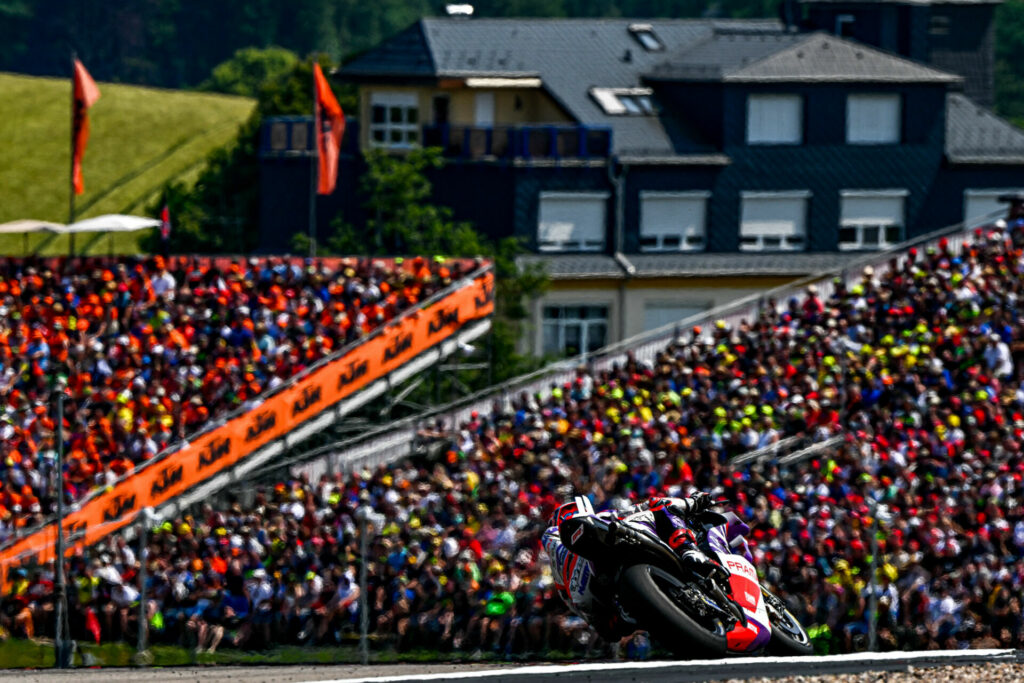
690, 613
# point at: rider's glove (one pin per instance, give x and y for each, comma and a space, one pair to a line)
701, 501
698, 502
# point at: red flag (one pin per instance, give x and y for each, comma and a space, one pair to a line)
86, 94
92, 624
165, 223
328, 137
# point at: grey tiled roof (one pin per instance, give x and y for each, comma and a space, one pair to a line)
790, 57
570, 56
975, 135
575, 266
587, 266
692, 265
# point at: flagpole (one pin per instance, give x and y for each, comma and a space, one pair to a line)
71, 167
313, 167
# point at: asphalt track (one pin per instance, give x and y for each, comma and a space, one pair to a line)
599, 672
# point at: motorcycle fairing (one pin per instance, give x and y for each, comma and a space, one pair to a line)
746, 591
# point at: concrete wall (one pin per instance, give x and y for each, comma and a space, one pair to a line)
627, 300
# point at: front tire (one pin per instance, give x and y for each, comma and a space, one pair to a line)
788, 636
655, 611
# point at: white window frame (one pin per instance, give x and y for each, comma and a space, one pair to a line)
861, 226
648, 39
625, 101
395, 102
483, 108
576, 245
585, 323
986, 192
869, 135
758, 108
688, 241
761, 242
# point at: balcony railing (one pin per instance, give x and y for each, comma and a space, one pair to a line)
519, 142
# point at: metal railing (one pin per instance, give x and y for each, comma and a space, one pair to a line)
399, 439
520, 142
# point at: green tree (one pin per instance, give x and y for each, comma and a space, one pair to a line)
220, 212
403, 220
1009, 23
249, 70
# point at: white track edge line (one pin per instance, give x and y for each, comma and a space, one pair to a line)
541, 670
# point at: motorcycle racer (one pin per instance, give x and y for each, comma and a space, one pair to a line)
582, 589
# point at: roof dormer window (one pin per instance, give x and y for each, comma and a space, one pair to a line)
624, 101
645, 35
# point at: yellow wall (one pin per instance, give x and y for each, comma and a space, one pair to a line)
536, 106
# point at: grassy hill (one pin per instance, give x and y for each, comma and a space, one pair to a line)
141, 138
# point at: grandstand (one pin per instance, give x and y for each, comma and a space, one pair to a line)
866, 423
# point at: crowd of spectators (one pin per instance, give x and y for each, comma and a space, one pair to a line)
150, 350
916, 370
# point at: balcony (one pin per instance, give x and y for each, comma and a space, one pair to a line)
519, 142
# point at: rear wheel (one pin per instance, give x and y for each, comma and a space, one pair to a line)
652, 597
788, 636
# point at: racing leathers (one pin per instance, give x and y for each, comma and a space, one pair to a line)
574, 575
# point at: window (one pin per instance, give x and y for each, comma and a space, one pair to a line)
661, 314
873, 119
394, 119
844, 25
483, 110
572, 221
938, 25
871, 219
672, 221
773, 221
775, 119
624, 101
572, 330
981, 203
645, 35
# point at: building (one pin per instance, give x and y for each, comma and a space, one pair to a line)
659, 168
953, 35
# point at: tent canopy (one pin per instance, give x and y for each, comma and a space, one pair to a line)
111, 223
29, 225
107, 223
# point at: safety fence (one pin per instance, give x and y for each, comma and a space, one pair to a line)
400, 439
298, 404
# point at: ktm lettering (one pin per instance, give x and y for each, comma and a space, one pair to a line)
74, 529
261, 423
400, 345
213, 452
310, 396
443, 318
487, 297
118, 507
168, 477
355, 370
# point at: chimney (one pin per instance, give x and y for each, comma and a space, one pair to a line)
464, 11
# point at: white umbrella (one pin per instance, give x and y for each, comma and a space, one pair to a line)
29, 225
111, 223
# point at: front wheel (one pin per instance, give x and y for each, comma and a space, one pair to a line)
646, 592
788, 636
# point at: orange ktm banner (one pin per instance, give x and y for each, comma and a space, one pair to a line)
328, 141
85, 95
218, 449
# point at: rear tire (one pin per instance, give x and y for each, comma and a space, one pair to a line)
788, 636
655, 611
